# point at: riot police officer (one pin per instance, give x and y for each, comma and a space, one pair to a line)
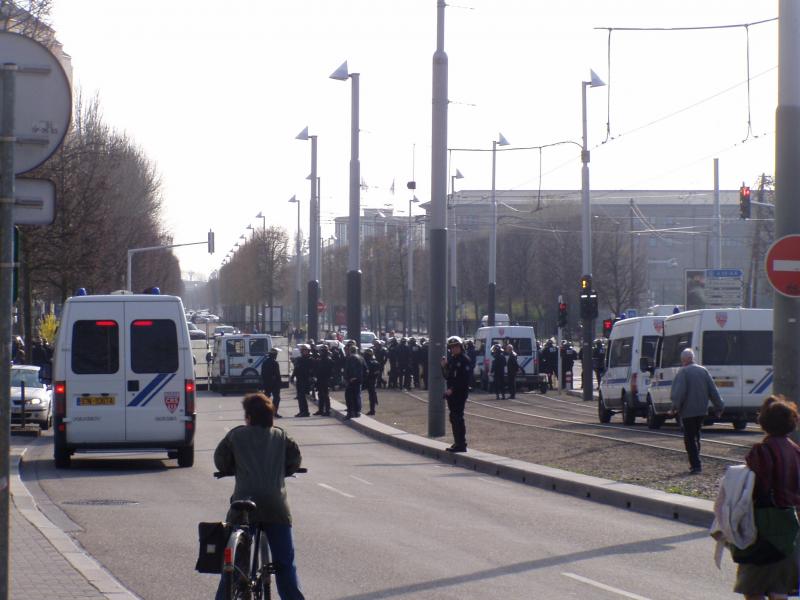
302, 373
324, 368
457, 372
373, 369
271, 378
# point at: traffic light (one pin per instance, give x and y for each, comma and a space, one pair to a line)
210, 242
608, 324
562, 314
588, 298
744, 202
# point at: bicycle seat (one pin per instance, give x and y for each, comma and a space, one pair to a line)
243, 505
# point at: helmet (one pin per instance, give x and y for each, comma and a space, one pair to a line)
403, 340
422, 340
412, 340
305, 347
353, 349
323, 349
454, 340
273, 352
368, 352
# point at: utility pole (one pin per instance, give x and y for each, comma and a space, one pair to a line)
786, 313
717, 264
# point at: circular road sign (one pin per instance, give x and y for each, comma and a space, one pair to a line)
783, 265
321, 306
42, 103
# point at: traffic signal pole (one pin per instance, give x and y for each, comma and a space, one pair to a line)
786, 313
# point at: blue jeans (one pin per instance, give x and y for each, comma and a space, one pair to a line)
281, 547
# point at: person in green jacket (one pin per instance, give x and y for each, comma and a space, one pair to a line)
261, 456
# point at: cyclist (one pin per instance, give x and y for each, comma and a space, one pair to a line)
260, 456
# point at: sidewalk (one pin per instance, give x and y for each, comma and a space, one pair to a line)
46, 563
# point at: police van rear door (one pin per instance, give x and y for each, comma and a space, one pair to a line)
756, 357
721, 354
95, 411
155, 378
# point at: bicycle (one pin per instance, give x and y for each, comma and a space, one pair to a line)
246, 568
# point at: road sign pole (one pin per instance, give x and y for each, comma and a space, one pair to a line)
7, 141
786, 313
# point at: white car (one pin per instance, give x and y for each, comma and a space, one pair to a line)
38, 397
367, 340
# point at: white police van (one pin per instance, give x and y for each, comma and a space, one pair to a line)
623, 386
236, 361
734, 344
523, 339
123, 376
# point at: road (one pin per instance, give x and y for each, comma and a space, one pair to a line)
372, 522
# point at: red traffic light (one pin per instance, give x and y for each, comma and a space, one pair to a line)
562, 307
744, 191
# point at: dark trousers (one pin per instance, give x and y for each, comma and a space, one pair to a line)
302, 390
275, 394
324, 396
691, 438
499, 386
281, 547
392, 375
511, 385
455, 404
352, 398
373, 396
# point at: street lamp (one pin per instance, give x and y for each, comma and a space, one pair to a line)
298, 258
313, 240
409, 303
453, 249
586, 231
261, 216
354, 227
501, 141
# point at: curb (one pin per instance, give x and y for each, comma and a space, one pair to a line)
65, 545
694, 511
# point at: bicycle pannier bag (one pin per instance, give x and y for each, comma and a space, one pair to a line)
213, 538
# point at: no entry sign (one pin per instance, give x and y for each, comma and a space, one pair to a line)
783, 265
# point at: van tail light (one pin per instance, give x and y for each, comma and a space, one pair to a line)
189, 389
60, 395
222, 366
635, 383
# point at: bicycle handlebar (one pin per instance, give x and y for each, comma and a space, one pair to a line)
220, 475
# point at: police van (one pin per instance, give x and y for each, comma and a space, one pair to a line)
123, 377
236, 361
734, 344
623, 386
523, 339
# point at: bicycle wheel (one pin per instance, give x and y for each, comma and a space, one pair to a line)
262, 589
237, 583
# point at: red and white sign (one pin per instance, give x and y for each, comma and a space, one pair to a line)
722, 318
321, 306
172, 400
783, 265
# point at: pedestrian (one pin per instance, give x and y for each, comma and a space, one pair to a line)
568, 357
324, 368
458, 374
271, 379
423, 363
512, 368
550, 361
691, 390
599, 359
381, 356
260, 456
404, 364
413, 362
472, 354
373, 369
392, 353
775, 461
302, 373
354, 368
499, 372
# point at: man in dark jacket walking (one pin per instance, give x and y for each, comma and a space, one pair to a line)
354, 369
271, 379
691, 390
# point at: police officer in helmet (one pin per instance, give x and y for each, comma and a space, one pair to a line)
457, 372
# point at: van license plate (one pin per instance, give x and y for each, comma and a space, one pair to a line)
96, 401
724, 383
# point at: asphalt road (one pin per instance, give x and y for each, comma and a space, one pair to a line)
370, 522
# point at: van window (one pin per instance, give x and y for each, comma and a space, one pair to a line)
259, 347
479, 343
672, 347
737, 348
234, 348
649, 343
621, 352
522, 346
95, 347
154, 346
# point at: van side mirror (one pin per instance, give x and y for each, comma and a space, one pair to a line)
647, 364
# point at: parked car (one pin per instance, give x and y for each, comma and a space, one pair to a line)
223, 329
195, 333
38, 396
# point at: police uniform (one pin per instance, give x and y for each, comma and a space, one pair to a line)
458, 374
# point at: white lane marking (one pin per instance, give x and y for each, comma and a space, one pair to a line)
605, 587
333, 489
361, 480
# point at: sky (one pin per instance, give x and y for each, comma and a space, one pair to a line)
215, 93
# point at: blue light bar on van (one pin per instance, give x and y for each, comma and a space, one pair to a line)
155, 291
81, 292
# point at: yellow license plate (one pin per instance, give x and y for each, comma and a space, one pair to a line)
724, 383
96, 401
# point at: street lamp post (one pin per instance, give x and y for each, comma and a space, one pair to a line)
354, 225
586, 231
313, 241
501, 141
453, 251
409, 303
299, 259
